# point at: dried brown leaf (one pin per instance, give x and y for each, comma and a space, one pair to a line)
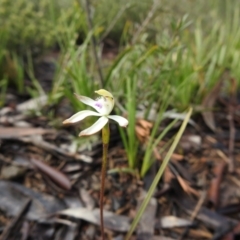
213, 191
57, 176
142, 129
168, 175
186, 187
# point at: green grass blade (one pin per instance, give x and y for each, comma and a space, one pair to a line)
146, 160
159, 175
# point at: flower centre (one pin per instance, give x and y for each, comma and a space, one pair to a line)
104, 105
99, 105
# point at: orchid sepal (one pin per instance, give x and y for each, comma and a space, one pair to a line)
96, 127
80, 116
123, 122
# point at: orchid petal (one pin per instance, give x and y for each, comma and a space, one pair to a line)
97, 126
80, 116
88, 101
103, 105
123, 122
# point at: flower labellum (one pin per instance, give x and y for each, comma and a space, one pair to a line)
103, 106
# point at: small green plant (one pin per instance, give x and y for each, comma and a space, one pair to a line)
159, 175
130, 141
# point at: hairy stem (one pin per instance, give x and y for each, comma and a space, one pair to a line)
105, 140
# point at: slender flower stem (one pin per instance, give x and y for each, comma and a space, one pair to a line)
105, 140
103, 106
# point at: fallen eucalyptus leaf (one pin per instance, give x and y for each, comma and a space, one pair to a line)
58, 177
18, 132
112, 221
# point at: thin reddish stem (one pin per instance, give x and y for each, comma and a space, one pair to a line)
105, 139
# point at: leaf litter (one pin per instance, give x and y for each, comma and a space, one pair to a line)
49, 185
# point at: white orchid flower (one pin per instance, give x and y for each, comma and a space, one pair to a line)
104, 105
